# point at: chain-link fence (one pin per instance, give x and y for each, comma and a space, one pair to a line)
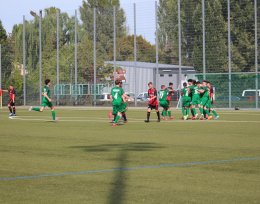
83, 51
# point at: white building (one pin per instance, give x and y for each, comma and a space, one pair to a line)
146, 72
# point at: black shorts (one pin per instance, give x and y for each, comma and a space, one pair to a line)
11, 103
156, 107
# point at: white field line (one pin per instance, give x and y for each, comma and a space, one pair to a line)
105, 120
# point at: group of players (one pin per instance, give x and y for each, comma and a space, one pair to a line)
194, 95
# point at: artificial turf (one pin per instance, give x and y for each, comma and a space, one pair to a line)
82, 159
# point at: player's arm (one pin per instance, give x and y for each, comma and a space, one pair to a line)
6, 91
46, 96
125, 97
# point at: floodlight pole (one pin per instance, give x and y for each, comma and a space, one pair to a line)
114, 19
229, 56
157, 48
256, 58
24, 64
95, 66
179, 29
135, 55
76, 57
40, 56
204, 39
58, 55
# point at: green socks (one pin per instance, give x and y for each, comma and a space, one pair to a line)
36, 109
214, 113
194, 111
183, 111
169, 113
53, 113
117, 119
201, 110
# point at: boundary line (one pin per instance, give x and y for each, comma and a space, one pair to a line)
87, 172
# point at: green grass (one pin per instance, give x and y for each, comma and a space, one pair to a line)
84, 140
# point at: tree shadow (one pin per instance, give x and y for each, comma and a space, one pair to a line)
118, 186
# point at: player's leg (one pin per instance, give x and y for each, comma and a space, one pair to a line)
158, 113
14, 109
53, 113
148, 115
10, 108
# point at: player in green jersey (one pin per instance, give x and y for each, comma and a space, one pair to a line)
186, 100
117, 95
205, 99
210, 102
124, 104
163, 93
46, 100
169, 99
195, 97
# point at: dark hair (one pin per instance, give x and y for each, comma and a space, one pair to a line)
170, 84
205, 81
184, 84
47, 81
150, 83
117, 82
190, 80
198, 82
162, 86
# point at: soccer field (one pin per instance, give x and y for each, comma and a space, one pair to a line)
83, 159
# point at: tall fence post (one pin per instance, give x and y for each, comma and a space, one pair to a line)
95, 66
40, 56
58, 55
114, 22
76, 58
204, 39
135, 55
256, 58
229, 57
24, 63
1, 100
180, 45
0, 66
157, 46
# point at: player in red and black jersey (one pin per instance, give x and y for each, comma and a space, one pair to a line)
11, 103
152, 103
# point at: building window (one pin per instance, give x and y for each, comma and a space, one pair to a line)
161, 75
170, 75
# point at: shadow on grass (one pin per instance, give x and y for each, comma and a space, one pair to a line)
118, 186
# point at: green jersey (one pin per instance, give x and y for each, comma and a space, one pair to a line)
185, 92
206, 92
163, 95
46, 90
117, 93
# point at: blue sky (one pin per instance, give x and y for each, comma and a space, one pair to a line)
12, 11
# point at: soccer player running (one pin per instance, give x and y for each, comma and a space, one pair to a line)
117, 94
152, 103
169, 97
186, 100
11, 102
46, 100
163, 94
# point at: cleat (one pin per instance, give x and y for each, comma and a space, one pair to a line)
193, 118
10, 114
114, 125
171, 118
185, 117
163, 118
158, 120
196, 116
30, 109
217, 117
201, 117
146, 121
